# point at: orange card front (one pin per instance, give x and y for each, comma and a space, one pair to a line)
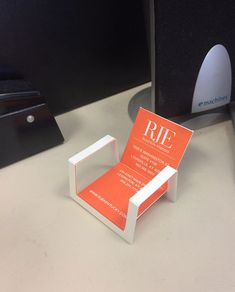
154, 143
110, 193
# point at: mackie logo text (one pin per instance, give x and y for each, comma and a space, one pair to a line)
213, 101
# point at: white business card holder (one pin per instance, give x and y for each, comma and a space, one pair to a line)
168, 174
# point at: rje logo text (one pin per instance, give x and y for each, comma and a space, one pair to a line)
159, 134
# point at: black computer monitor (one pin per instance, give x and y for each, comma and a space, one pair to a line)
72, 51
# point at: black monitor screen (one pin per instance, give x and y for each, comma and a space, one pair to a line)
74, 51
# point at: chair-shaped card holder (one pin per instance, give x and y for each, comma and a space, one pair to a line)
168, 174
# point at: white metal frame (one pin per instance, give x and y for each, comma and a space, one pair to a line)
167, 174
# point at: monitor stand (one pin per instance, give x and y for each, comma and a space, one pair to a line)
192, 121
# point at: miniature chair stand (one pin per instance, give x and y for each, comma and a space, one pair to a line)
167, 174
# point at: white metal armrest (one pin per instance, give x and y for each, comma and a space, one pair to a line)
161, 178
167, 174
87, 152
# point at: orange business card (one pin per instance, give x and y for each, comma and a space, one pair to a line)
154, 143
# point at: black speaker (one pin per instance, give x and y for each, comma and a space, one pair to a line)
192, 55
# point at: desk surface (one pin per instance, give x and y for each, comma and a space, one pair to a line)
50, 243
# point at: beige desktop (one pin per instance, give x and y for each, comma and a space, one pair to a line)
50, 243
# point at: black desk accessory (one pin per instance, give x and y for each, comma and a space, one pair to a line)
26, 125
